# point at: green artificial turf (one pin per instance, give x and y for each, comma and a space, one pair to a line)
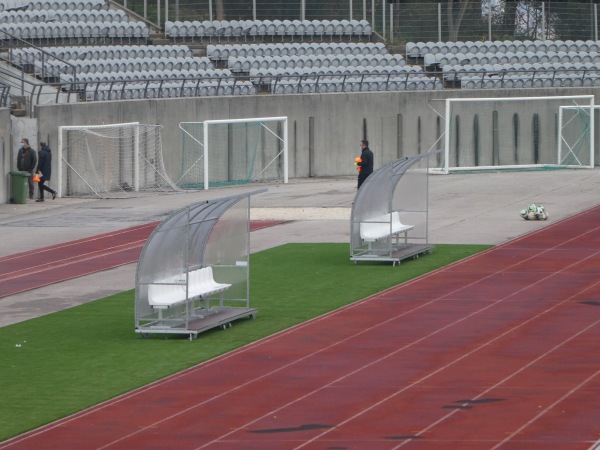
58, 364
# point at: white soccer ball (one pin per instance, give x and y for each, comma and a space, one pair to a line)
523, 214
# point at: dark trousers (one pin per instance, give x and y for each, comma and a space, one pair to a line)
362, 177
30, 182
42, 187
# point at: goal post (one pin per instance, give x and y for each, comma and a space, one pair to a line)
575, 123
233, 151
518, 133
110, 161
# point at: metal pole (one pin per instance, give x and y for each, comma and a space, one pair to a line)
253, 10
167, 10
373, 13
158, 12
391, 22
364, 10
595, 22
490, 20
210, 16
439, 22
383, 18
350, 2
205, 142
146, 9
543, 20
302, 9
60, 163
592, 131
136, 159
286, 149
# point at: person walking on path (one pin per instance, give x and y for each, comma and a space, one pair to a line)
366, 162
44, 170
26, 162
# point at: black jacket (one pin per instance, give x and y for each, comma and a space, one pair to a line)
45, 162
26, 159
366, 166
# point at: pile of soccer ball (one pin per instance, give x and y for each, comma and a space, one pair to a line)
534, 212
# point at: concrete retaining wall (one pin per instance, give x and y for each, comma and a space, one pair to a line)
324, 129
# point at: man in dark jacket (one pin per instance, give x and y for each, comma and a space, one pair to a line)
366, 162
26, 162
44, 170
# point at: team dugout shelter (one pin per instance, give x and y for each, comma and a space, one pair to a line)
389, 219
193, 271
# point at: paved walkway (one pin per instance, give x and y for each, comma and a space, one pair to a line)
463, 208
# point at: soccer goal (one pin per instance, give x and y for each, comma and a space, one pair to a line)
111, 161
235, 151
518, 133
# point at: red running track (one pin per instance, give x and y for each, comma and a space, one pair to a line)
30, 270
499, 351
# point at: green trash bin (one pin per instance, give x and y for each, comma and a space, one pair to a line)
19, 186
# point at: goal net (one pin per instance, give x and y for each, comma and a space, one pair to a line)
518, 133
236, 151
111, 161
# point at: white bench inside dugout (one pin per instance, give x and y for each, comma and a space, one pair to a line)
388, 222
383, 227
173, 290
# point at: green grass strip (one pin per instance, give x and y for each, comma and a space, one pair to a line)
64, 362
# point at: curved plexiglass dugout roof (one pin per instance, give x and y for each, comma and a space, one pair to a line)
399, 186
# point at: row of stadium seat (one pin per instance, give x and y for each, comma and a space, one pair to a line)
420, 49
539, 80
356, 84
75, 30
441, 60
262, 76
167, 89
281, 62
28, 55
34, 16
292, 29
221, 52
139, 75
56, 68
457, 71
53, 5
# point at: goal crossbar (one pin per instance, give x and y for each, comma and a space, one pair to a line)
120, 142
455, 142
205, 142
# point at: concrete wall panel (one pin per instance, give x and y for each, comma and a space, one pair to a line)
397, 123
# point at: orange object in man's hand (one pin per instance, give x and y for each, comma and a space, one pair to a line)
356, 162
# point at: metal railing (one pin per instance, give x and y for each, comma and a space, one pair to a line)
161, 11
399, 22
4, 95
36, 61
302, 84
477, 21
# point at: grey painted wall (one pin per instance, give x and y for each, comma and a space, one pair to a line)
396, 123
5, 154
